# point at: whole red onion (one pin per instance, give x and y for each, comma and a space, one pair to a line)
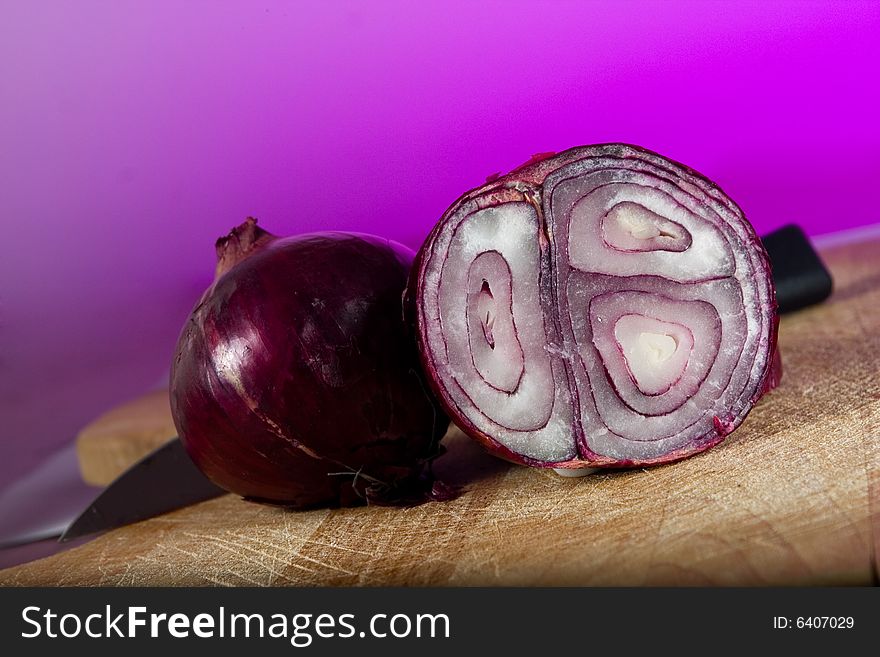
296, 380
600, 307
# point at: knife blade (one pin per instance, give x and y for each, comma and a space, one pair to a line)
41, 504
167, 479
164, 480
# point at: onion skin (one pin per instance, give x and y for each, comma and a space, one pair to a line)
296, 380
532, 183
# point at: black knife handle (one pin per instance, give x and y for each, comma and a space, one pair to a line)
800, 277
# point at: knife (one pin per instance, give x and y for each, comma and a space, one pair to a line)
40, 504
164, 480
167, 479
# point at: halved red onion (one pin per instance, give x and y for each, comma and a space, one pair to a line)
600, 307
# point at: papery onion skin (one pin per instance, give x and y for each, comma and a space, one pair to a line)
527, 185
296, 380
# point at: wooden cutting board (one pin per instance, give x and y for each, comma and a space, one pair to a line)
122, 436
791, 497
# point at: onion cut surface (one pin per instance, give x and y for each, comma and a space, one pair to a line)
600, 307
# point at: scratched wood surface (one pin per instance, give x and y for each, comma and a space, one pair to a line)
789, 498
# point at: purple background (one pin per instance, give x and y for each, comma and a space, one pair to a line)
132, 134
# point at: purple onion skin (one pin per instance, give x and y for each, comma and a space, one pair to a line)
296, 380
527, 182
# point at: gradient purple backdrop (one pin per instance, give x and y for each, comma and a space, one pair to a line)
132, 134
